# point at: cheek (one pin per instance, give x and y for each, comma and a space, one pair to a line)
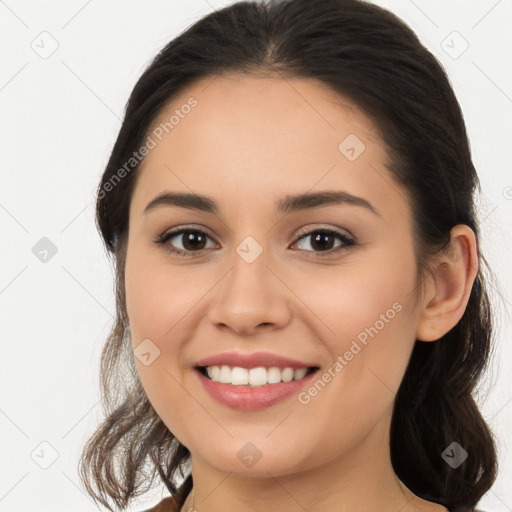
167, 307
348, 299
366, 315
157, 297
160, 304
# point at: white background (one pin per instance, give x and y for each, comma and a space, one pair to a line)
60, 117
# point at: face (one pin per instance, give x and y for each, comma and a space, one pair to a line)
331, 284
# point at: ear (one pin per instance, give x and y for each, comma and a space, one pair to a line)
449, 286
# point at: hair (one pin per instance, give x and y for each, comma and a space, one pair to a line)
370, 56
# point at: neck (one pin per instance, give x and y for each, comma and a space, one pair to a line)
362, 480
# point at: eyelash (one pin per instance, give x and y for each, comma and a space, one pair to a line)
161, 240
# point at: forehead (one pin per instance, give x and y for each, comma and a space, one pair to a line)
247, 100
253, 136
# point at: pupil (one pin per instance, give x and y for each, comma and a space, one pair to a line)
321, 237
194, 238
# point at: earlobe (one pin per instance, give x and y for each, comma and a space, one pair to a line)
449, 286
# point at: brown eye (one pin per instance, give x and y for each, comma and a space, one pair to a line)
322, 241
192, 241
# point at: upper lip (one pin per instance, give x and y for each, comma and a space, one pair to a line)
253, 360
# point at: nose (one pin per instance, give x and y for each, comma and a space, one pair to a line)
249, 298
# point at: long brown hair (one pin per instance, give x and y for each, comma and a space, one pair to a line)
370, 56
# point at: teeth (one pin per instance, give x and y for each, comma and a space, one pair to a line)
260, 376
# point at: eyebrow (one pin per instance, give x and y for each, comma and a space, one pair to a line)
289, 203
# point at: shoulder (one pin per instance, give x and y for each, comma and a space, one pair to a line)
166, 505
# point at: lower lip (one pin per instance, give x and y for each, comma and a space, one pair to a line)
249, 398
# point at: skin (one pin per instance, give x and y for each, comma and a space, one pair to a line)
247, 143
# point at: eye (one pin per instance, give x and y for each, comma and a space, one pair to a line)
323, 239
192, 240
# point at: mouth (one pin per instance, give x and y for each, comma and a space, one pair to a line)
254, 377
253, 389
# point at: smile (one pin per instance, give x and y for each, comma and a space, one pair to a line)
253, 397
260, 376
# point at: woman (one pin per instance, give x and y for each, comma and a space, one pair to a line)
301, 307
